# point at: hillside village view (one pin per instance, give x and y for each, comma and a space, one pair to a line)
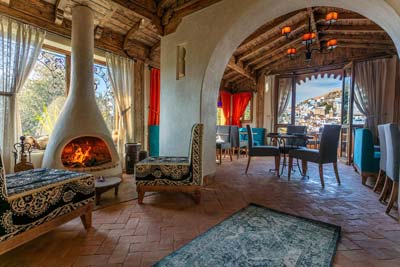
314, 112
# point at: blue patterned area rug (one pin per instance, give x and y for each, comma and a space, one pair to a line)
258, 236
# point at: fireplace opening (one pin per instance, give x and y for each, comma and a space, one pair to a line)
85, 152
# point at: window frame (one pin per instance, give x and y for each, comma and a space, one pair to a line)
251, 111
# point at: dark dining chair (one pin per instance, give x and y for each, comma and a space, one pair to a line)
382, 162
392, 135
261, 151
327, 153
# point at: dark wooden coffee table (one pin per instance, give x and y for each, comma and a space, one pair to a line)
105, 185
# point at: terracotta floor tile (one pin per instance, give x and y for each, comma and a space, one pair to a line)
135, 235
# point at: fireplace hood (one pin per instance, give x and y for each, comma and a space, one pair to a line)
80, 116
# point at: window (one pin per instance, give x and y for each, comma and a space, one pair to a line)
43, 95
319, 102
221, 120
248, 113
104, 95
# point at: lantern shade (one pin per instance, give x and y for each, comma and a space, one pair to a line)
332, 17
286, 30
331, 44
291, 51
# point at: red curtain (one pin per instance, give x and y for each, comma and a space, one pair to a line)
226, 105
154, 107
239, 105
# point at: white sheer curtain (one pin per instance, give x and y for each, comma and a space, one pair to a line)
269, 104
20, 45
284, 92
121, 73
374, 93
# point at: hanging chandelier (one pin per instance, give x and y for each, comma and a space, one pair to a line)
310, 36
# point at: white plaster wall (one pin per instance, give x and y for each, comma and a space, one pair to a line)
211, 35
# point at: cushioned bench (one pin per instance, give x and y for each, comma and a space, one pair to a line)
36, 201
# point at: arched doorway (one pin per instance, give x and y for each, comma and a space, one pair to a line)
231, 24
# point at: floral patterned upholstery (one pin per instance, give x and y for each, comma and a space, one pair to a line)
174, 170
30, 198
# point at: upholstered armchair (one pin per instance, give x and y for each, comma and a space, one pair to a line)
36, 201
177, 174
224, 133
382, 151
327, 153
366, 160
392, 135
237, 144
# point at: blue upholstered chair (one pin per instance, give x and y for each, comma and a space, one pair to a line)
261, 151
366, 160
383, 152
327, 153
392, 135
258, 136
176, 174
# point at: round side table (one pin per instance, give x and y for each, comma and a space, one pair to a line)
105, 185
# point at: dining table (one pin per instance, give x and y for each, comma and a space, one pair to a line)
281, 140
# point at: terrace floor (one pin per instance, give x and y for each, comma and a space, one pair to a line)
131, 235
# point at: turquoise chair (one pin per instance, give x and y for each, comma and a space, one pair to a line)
258, 136
366, 159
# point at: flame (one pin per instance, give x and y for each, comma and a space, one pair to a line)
80, 155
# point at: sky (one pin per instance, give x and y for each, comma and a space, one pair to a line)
316, 87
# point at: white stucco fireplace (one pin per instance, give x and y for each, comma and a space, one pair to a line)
81, 140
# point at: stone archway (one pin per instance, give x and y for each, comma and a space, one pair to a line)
215, 32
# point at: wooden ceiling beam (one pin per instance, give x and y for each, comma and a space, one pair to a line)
271, 28
136, 27
270, 43
367, 46
142, 12
350, 29
238, 67
314, 27
260, 61
59, 11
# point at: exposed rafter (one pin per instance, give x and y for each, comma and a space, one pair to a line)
238, 67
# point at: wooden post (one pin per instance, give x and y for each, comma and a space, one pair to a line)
351, 105
67, 73
260, 101
276, 99
293, 115
139, 107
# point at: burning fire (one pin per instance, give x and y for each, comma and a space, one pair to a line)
80, 155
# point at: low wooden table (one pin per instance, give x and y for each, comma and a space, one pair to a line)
105, 185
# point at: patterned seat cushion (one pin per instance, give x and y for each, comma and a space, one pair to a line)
20, 182
175, 169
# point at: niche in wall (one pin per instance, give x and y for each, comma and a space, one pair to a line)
180, 63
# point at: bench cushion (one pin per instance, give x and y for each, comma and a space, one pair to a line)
34, 197
21, 182
169, 169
